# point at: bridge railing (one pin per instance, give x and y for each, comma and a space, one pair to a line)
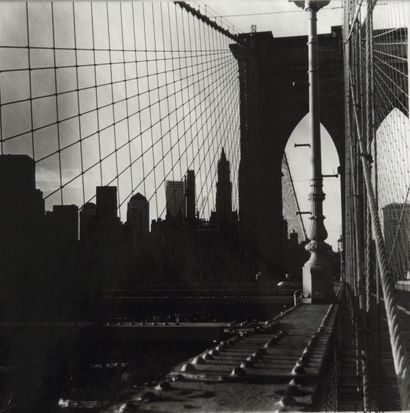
327, 396
377, 164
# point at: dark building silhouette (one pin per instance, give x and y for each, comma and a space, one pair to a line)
175, 198
61, 261
190, 195
21, 206
295, 255
106, 203
138, 219
17, 174
103, 250
22, 228
20, 198
87, 219
64, 223
45, 257
223, 190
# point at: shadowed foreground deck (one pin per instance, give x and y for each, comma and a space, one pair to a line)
277, 364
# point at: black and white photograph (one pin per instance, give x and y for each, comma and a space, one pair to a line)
204, 206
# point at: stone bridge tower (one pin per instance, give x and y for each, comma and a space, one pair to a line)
274, 99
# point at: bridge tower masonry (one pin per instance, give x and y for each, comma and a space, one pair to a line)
274, 93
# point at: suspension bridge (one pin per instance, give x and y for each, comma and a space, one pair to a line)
148, 201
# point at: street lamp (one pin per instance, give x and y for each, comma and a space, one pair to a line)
340, 244
317, 271
340, 251
308, 4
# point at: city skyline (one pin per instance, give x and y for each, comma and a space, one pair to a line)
126, 125
149, 172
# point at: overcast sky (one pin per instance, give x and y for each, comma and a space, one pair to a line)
282, 18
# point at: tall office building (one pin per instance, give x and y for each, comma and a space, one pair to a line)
22, 228
62, 240
19, 197
190, 195
64, 223
223, 190
87, 218
103, 248
17, 174
21, 204
175, 198
138, 216
396, 220
106, 203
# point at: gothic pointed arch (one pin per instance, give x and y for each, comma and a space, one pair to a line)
274, 97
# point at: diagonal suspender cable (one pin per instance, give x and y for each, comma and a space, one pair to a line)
398, 348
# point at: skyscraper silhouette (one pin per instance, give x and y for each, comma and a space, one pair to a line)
175, 198
107, 203
22, 246
223, 190
64, 223
190, 195
138, 217
104, 246
87, 219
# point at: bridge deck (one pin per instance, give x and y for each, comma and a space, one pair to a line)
250, 371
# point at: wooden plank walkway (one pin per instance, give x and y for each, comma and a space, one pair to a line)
263, 367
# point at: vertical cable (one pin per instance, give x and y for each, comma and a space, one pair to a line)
78, 103
30, 82
174, 79
97, 109
198, 46
182, 94
113, 105
126, 99
214, 46
150, 110
188, 90
57, 109
169, 53
204, 182
158, 88
213, 131
138, 97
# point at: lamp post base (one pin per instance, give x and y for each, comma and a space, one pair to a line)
318, 279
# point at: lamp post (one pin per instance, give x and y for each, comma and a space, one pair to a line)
340, 251
317, 271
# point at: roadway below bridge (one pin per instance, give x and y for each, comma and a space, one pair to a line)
189, 305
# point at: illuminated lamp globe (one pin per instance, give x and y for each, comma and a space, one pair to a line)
310, 4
